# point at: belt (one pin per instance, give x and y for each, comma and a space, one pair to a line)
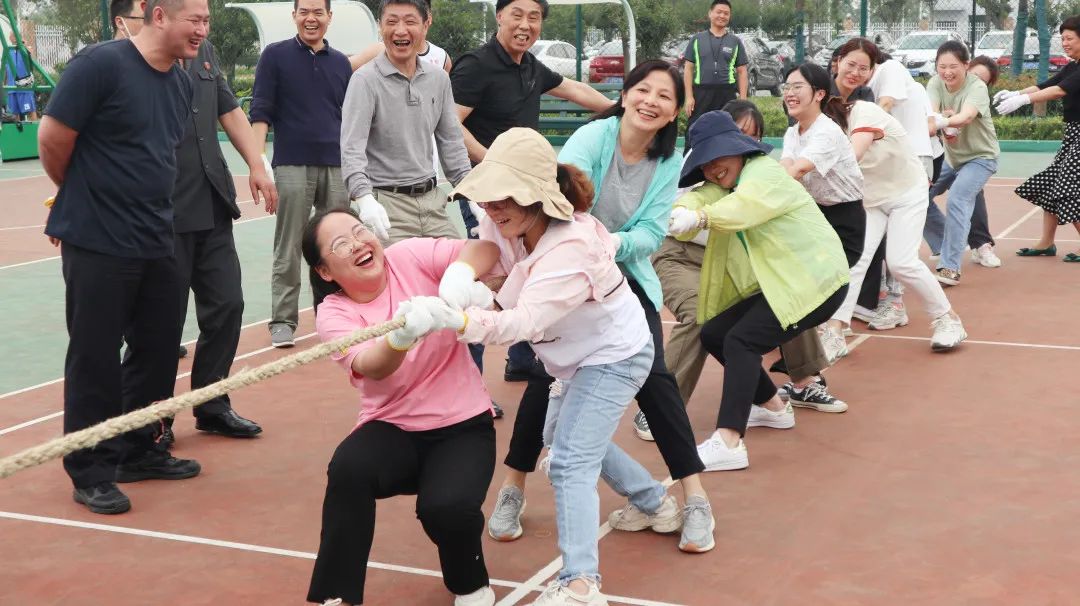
416, 189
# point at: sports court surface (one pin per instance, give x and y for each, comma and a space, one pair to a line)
951, 479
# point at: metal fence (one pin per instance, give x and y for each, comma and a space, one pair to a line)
51, 47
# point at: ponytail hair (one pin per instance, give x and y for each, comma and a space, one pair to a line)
576, 186
837, 110
309, 246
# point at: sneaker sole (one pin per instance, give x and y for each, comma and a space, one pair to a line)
128, 477
938, 348
674, 525
842, 407
891, 326
284, 344
119, 508
728, 466
516, 535
695, 548
771, 424
947, 281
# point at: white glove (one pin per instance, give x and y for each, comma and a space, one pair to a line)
480, 296
456, 285
442, 315
1002, 95
479, 213
683, 220
373, 215
418, 322
940, 122
269, 169
1011, 104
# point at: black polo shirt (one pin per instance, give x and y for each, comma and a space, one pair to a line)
116, 198
502, 94
202, 177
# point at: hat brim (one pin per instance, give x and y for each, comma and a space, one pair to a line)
491, 181
718, 146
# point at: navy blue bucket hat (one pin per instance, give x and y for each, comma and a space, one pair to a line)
715, 135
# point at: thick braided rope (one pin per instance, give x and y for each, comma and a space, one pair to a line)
92, 436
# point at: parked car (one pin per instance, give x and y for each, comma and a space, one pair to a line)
918, 50
764, 70
784, 51
1058, 58
560, 57
998, 42
609, 64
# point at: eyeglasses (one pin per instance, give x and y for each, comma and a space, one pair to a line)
859, 69
345, 248
500, 205
785, 88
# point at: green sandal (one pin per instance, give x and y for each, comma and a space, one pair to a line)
1071, 258
1038, 252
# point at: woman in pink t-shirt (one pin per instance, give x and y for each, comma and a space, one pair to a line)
562, 291
425, 425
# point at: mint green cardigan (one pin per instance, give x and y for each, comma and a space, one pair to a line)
591, 149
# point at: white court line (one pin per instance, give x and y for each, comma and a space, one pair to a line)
545, 573
182, 375
1018, 222
976, 342
289, 553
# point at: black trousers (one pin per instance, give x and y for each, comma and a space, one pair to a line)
738, 337
848, 219
109, 300
448, 469
209, 266
658, 399
708, 98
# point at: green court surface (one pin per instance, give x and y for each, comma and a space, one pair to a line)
32, 294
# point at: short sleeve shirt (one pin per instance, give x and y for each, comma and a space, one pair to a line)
891, 171
116, 198
438, 384
715, 57
502, 94
1069, 81
836, 176
891, 79
622, 190
976, 140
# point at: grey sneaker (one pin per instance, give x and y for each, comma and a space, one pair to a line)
641, 427
698, 526
281, 335
505, 522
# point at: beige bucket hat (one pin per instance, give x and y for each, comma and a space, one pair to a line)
521, 165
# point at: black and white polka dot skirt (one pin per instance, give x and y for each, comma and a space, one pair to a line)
1057, 188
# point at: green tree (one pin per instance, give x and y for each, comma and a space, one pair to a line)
233, 34
80, 19
655, 27
996, 11
459, 25
891, 11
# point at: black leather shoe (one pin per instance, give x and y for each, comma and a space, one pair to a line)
183, 351
228, 424
103, 498
157, 466
498, 410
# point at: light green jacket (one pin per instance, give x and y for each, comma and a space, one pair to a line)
768, 236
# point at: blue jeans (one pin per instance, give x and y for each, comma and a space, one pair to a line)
963, 184
520, 354
579, 429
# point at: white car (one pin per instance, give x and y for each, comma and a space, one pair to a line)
559, 57
999, 42
918, 50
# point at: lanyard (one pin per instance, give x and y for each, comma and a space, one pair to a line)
716, 52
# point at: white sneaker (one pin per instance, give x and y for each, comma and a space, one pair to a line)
484, 596
864, 314
889, 315
948, 333
984, 255
834, 344
763, 417
557, 594
667, 518
716, 455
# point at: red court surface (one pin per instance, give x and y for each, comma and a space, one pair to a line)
951, 479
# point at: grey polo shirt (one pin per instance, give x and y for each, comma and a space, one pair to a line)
386, 127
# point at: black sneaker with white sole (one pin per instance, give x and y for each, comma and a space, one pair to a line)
641, 427
816, 396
